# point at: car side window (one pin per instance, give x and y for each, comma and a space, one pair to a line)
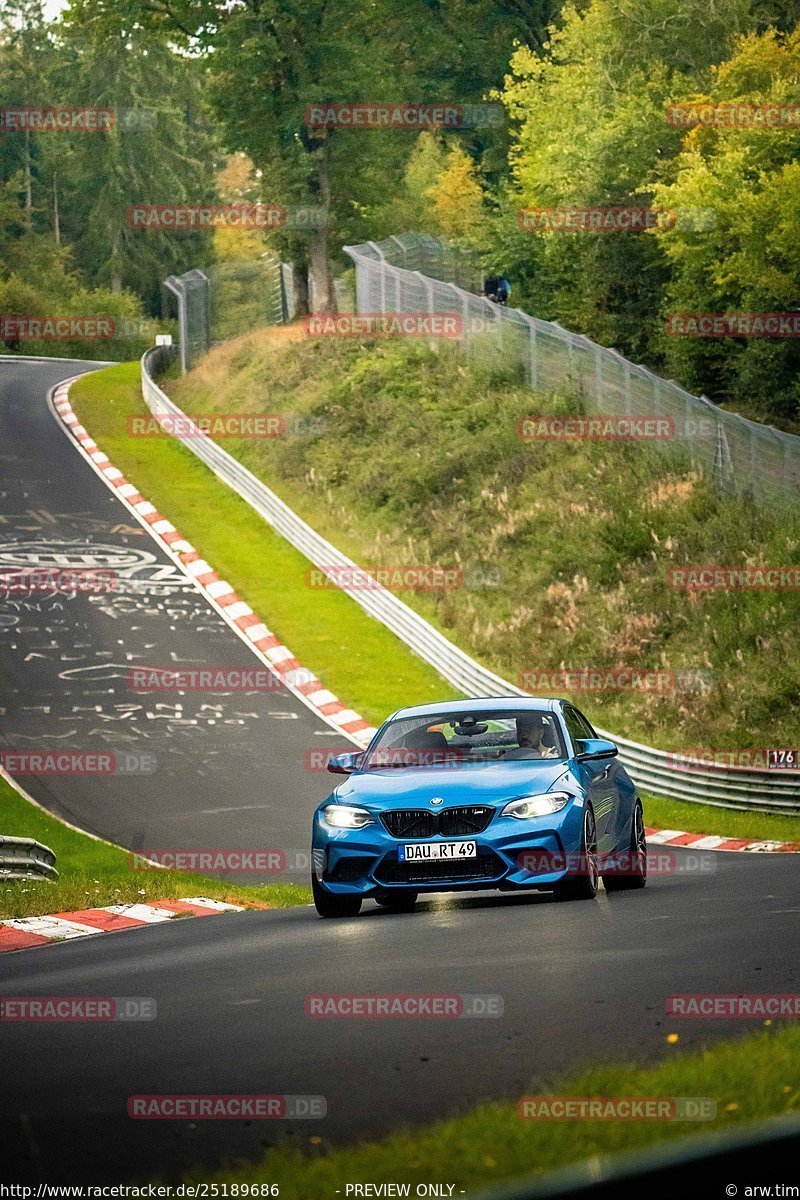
589, 732
575, 725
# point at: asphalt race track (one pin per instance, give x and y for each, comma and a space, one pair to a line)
579, 982
64, 681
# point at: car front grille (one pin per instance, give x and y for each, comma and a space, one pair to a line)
486, 866
450, 822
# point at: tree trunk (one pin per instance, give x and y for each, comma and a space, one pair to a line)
28, 183
301, 288
56, 215
319, 268
116, 277
320, 283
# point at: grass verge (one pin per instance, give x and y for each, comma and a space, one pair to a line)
665, 813
355, 656
755, 1077
402, 454
93, 873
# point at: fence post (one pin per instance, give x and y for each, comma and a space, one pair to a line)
382, 260
627, 387
565, 340
426, 283
206, 310
174, 285
722, 469
465, 331
533, 352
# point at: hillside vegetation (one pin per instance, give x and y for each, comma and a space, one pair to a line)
407, 456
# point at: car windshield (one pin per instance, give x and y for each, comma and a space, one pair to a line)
457, 738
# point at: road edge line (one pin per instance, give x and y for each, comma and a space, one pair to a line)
360, 732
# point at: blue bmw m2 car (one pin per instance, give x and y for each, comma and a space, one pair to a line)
503, 792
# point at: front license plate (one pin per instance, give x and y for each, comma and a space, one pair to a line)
434, 851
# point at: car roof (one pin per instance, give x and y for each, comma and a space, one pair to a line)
479, 703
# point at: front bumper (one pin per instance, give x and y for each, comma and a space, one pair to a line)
512, 855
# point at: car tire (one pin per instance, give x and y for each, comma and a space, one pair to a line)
638, 854
400, 901
583, 886
329, 905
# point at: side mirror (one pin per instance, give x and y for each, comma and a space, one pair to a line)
345, 764
590, 748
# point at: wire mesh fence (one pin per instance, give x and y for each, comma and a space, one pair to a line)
228, 299
414, 273
244, 295
194, 322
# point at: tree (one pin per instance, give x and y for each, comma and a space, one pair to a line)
590, 130
167, 157
750, 261
270, 59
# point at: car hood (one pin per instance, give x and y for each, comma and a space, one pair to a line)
475, 783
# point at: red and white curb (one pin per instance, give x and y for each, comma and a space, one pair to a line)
26, 932
701, 841
239, 615
276, 656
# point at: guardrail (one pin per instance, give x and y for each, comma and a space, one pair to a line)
765, 791
25, 858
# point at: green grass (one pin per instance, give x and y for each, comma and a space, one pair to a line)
755, 1077
94, 873
705, 818
353, 655
418, 460
356, 657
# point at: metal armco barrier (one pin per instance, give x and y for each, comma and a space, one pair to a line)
24, 858
768, 791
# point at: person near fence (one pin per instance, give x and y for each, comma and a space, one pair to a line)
497, 289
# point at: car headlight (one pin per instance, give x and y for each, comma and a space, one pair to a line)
536, 806
346, 816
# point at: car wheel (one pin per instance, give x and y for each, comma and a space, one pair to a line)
636, 877
328, 905
402, 901
583, 886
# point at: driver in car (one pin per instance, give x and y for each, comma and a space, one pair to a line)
533, 733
